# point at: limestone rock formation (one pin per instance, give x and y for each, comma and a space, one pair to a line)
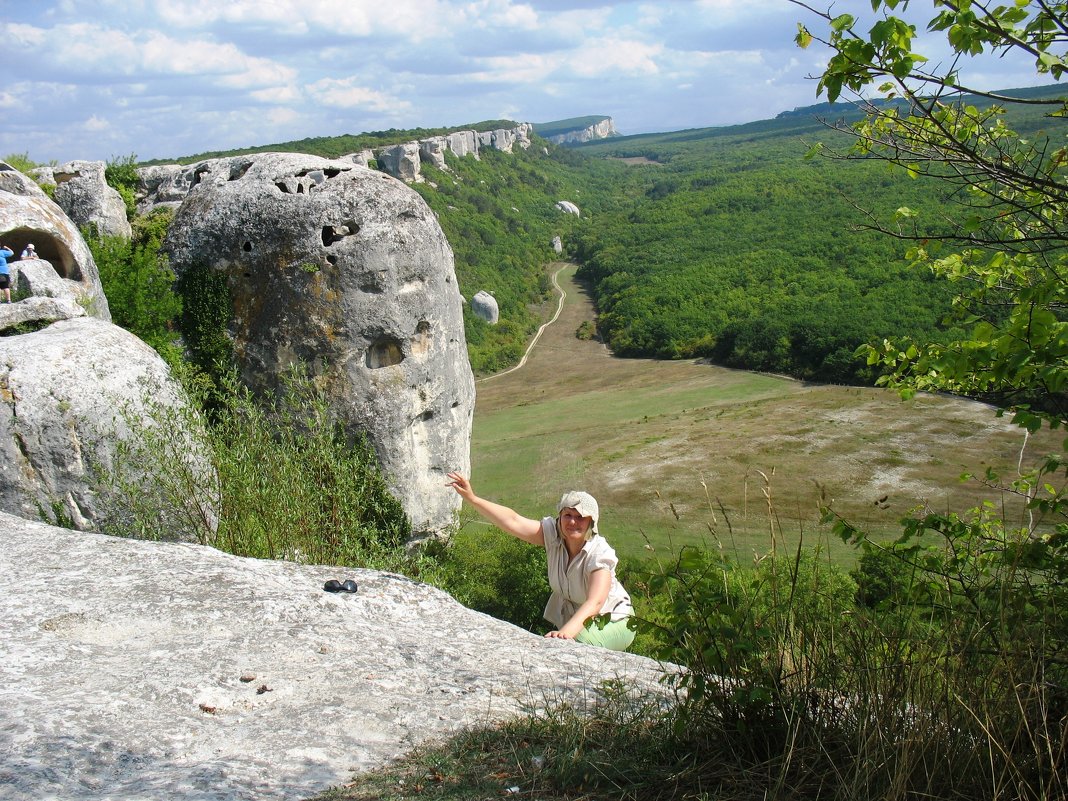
400, 161
75, 394
432, 151
599, 130
363, 158
144, 670
558, 245
485, 306
83, 193
28, 215
39, 279
347, 271
568, 207
163, 185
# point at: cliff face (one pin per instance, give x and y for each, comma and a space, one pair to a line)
600, 130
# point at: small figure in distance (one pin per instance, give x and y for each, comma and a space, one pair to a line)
582, 566
5, 271
29, 252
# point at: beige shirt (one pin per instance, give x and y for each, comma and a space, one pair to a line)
569, 577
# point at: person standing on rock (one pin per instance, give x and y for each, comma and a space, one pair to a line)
5, 271
582, 566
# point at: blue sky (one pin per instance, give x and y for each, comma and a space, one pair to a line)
102, 79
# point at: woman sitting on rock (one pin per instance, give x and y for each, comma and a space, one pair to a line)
581, 564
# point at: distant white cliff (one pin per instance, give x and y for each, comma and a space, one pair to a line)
600, 130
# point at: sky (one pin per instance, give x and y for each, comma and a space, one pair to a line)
161, 79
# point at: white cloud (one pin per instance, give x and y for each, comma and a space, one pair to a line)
616, 57
96, 124
294, 18
346, 93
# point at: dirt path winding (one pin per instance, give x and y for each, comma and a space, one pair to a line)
541, 329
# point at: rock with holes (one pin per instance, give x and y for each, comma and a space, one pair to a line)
163, 185
346, 270
28, 215
485, 306
83, 192
78, 400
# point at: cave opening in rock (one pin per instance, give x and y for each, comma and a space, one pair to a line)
385, 351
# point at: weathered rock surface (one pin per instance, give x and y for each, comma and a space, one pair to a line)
558, 245
401, 161
568, 207
163, 185
28, 215
485, 306
38, 309
141, 670
345, 270
40, 279
70, 393
83, 193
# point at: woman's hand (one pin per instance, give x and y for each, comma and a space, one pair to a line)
461, 485
560, 635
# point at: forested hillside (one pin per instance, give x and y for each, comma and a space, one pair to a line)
739, 249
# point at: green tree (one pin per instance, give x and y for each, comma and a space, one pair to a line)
139, 283
1005, 246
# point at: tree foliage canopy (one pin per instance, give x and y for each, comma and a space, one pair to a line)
1003, 242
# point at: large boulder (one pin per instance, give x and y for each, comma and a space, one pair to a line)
146, 670
485, 306
83, 193
347, 271
76, 399
568, 207
28, 215
401, 161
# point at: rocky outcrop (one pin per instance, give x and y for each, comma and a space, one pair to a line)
599, 130
168, 185
39, 279
83, 193
28, 215
163, 185
404, 161
485, 306
75, 399
345, 270
558, 245
568, 207
38, 310
143, 670
401, 161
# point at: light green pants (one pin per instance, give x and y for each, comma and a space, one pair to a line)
615, 636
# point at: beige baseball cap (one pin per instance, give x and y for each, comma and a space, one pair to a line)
581, 502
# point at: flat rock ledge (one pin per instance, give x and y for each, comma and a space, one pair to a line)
145, 670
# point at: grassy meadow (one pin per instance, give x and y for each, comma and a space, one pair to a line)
683, 452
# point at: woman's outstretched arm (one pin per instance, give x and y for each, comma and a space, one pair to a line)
501, 516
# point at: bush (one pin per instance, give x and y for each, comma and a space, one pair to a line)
492, 572
139, 283
292, 484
